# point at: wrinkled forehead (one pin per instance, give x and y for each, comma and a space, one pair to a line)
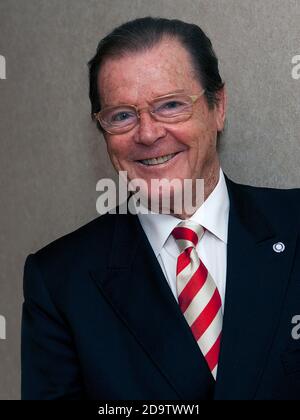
139, 77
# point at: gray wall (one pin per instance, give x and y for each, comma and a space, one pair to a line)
51, 155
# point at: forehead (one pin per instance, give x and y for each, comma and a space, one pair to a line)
138, 77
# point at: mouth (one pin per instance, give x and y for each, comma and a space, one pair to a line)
159, 160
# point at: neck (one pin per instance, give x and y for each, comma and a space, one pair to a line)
211, 179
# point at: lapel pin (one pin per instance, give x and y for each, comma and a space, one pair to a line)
279, 247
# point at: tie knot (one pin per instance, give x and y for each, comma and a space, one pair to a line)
188, 234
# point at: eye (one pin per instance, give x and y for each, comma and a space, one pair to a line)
122, 116
171, 105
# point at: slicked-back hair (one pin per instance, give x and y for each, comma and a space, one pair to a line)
142, 34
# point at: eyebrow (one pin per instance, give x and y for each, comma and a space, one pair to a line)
170, 93
154, 97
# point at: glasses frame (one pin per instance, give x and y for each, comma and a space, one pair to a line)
97, 115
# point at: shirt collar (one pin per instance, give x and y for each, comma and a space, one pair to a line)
213, 215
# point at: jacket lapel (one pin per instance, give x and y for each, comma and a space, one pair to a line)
257, 278
135, 286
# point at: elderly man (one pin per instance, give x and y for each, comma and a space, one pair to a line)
152, 306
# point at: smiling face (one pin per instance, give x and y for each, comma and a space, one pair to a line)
160, 150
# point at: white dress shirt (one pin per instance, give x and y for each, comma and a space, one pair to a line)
212, 248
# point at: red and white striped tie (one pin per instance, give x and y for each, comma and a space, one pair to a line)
198, 296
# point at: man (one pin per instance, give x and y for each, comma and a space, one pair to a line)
181, 306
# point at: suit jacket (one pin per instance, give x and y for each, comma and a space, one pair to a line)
100, 321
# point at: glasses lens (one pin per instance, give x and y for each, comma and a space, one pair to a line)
173, 107
118, 118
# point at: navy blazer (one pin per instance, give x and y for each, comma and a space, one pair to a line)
100, 321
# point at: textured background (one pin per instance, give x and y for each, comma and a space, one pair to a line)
51, 154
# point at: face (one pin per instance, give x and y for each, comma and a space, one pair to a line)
191, 145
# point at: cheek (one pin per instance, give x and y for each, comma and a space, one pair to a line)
200, 139
191, 134
116, 148
119, 151
205, 133
113, 154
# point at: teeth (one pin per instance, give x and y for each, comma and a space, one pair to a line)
158, 161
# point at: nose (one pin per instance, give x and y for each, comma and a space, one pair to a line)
149, 130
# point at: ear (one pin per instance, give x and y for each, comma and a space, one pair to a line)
221, 109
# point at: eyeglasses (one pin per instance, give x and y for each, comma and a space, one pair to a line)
172, 108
